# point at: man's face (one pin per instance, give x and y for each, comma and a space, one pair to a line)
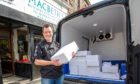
48, 34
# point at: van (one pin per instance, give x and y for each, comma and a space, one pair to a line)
110, 29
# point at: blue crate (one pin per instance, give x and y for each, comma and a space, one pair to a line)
94, 79
113, 62
123, 71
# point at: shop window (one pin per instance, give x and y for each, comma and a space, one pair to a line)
4, 49
22, 43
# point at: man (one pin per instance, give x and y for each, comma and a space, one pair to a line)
51, 70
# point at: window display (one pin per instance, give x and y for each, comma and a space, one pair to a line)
22, 42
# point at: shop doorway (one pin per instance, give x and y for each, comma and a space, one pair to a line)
14, 53
17, 41
6, 53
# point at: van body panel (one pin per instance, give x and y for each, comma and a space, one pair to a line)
85, 11
126, 30
133, 68
116, 25
135, 19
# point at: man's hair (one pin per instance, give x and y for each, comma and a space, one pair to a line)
47, 26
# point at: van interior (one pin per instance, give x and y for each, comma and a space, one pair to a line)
101, 31
111, 21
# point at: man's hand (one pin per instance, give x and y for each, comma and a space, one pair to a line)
56, 62
73, 54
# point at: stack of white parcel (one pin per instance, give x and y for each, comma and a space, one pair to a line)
110, 71
91, 65
85, 64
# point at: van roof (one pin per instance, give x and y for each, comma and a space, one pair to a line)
90, 8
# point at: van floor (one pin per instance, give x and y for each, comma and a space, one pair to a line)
81, 82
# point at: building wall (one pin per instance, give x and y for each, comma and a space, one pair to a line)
75, 5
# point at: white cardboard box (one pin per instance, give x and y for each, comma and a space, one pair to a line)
78, 61
83, 53
98, 74
93, 71
109, 68
74, 61
73, 70
81, 61
82, 70
73, 66
114, 76
93, 60
64, 55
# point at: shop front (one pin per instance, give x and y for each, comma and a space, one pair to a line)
20, 31
15, 48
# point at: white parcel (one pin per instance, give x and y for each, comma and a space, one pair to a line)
64, 55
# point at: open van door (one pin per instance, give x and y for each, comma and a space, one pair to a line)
119, 16
133, 76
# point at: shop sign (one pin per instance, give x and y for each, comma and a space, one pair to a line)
41, 9
44, 10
